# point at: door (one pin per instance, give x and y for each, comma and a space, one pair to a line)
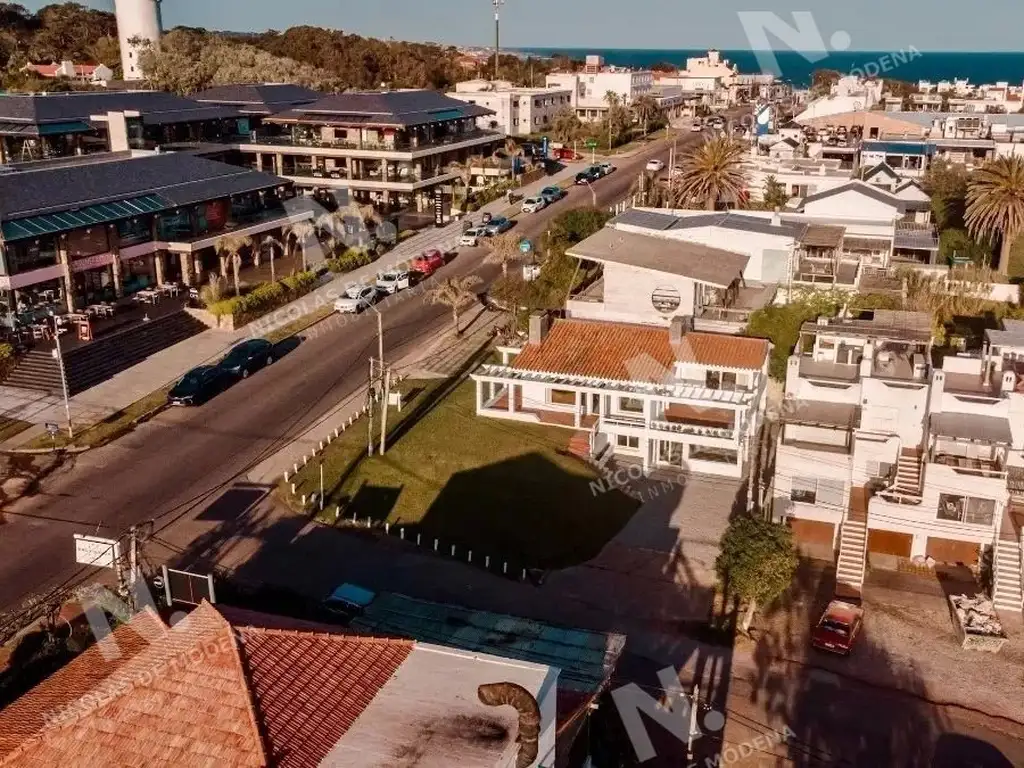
813, 538
889, 543
595, 404
953, 551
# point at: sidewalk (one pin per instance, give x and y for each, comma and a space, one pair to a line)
166, 366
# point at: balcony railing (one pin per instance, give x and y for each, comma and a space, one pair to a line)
693, 429
621, 420
398, 145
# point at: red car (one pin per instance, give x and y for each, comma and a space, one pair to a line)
838, 627
428, 262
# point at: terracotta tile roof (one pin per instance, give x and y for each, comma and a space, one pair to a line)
310, 688
205, 693
627, 352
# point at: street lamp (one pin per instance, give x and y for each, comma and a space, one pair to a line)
57, 353
593, 193
497, 36
385, 380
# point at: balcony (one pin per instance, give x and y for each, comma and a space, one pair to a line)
961, 465
682, 428
399, 144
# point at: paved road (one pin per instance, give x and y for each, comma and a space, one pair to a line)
176, 463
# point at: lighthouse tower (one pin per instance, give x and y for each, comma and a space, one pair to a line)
136, 20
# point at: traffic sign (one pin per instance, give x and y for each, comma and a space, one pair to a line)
52, 428
525, 246
590, 143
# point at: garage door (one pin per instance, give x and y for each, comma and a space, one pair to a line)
813, 538
889, 543
951, 551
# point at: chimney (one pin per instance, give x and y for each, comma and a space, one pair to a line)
539, 324
117, 132
776, 219
681, 325
510, 694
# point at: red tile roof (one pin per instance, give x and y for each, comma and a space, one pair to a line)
627, 352
205, 693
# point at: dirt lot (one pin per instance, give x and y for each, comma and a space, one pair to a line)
908, 643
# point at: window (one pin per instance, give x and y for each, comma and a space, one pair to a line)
804, 490
720, 380
631, 405
562, 397
719, 455
628, 441
951, 507
979, 511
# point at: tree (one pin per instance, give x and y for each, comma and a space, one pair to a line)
645, 109
230, 247
303, 232
958, 244
713, 172
566, 126
465, 171
995, 204
774, 193
504, 250
513, 151
271, 244
756, 562
946, 184
455, 293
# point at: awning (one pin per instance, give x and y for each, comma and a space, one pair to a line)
46, 129
817, 413
51, 223
866, 244
969, 426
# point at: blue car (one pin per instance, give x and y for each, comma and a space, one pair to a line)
552, 194
497, 225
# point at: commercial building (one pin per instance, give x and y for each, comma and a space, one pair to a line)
391, 148
80, 231
590, 87
516, 111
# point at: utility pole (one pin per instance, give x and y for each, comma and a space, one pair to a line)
497, 35
59, 354
386, 375
369, 412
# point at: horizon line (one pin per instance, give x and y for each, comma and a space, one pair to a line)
752, 50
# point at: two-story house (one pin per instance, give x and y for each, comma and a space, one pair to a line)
666, 397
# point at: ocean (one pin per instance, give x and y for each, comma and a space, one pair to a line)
796, 68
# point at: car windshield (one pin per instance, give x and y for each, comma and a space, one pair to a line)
236, 355
835, 626
388, 277
191, 381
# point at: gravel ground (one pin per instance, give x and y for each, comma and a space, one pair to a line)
908, 643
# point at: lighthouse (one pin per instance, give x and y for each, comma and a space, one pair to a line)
137, 20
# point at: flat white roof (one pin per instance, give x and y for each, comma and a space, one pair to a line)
429, 716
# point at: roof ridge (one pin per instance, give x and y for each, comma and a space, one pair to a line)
250, 710
356, 638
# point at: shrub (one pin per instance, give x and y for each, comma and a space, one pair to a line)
351, 259
781, 324
264, 298
213, 291
6, 352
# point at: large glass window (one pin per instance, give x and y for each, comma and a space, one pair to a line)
631, 405
174, 226
966, 509
26, 255
135, 230
562, 397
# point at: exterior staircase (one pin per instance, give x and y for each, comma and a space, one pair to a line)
579, 445
853, 546
38, 369
908, 474
1007, 594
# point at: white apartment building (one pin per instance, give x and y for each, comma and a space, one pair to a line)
663, 397
886, 460
713, 77
590, 87
848, 94
800, 177
517, 111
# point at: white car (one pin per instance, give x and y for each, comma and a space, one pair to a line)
534, 204
392, 281
696, 126
471, 238
606, 168
357, 298
655, 166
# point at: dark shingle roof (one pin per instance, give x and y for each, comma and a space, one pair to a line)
397, 108
179, 179
259, 99
724, 219
868, 190
880, 168
156, 107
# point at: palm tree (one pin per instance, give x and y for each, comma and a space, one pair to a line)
513, 151
465, 171
271, 243
995, 204
303, 231
645, 108
454, 292
566, 126
329, 224
230, 247
503, 250
712, 172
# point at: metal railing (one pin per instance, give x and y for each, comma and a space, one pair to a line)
693, 429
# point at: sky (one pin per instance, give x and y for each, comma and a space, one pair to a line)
865, 25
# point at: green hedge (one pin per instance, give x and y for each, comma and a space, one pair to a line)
264, 298
351, 259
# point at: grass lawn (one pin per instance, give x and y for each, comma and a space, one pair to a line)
111, 428
500, 488
11, 427
299, 324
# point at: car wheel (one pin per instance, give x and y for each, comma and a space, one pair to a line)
245, 373
270, 359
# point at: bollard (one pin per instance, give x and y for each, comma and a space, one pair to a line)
295, 467
523, 577
286, 475
401, 533
435, 545
469, 557
417, 539
504, 567
337, 512
293, 489
335, 431
305, 458
321, 445
453, 550
303, 499
487, 562
350, 421
387, 527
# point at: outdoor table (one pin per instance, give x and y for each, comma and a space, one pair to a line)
170, 289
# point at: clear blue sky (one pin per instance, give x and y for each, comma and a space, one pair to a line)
987, 25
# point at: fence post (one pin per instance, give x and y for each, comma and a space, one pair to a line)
303, 500
453, 550
469, 558
401, 533
335, 432
286, 475
435, 545
293, 489
487, 562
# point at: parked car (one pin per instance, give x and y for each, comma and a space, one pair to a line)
497, 225
247, 357
471, 237
697, 126
606, 168
198, 385
838, 627
428, 262
586, 177
655, 166
392, 281
348, 600
553, 194
534, 204
565, 153
356, 299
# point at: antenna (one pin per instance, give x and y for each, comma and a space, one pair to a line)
497, 34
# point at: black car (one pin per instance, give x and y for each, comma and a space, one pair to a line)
197, 386
587, 177
247, 357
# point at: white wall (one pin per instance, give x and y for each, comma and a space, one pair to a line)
136, 18
852, 205
896, 407
627, 296
793, 462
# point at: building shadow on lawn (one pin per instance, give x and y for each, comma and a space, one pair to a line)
828, 714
